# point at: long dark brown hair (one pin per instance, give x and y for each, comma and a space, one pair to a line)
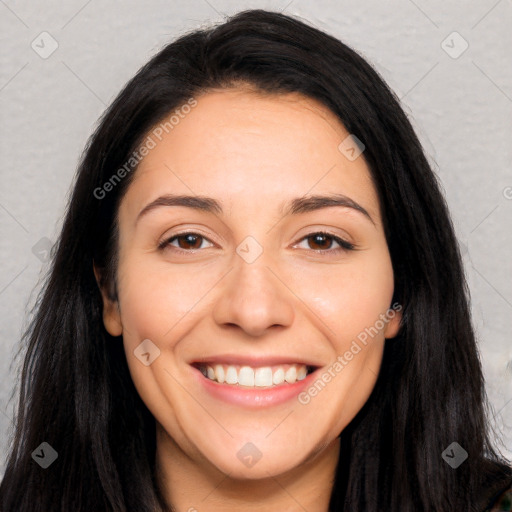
76, 392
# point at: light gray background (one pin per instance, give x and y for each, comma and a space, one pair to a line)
461, 108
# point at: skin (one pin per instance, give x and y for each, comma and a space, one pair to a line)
251, 152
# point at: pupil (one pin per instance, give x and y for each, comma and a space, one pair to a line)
320, 239
189, 239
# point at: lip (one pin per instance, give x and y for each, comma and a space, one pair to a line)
252, 397
252, 361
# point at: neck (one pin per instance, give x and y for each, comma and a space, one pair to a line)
190, 484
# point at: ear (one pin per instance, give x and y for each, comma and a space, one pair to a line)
111, 312
394, 314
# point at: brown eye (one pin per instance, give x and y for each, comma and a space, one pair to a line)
189, 240
323, 242
186, 241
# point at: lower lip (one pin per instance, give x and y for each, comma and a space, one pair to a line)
253, 397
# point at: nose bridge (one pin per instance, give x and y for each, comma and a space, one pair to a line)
253, 297
255, 277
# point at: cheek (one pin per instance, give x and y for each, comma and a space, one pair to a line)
349, 298
156, 296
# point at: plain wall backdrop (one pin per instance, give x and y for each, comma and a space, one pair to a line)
450, 63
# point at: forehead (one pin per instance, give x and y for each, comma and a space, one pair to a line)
240, 146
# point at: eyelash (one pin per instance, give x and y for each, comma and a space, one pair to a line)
344, 245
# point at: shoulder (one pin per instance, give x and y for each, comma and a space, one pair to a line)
502, 502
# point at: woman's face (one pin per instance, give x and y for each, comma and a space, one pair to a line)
238, 284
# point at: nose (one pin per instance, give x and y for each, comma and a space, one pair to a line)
254, 298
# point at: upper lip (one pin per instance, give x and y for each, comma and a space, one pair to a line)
253, 361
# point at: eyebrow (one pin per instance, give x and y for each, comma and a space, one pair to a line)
295, 206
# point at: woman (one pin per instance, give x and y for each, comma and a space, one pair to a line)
257, 300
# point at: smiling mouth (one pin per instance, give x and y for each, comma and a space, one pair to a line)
255, 377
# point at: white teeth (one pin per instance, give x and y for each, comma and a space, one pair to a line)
246, 376
291, 375
265, 376
278, 377
231, 376
219, 373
